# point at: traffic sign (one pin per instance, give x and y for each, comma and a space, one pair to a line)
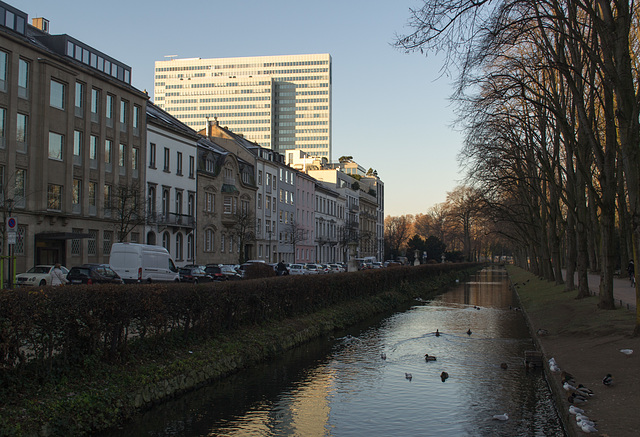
12, 223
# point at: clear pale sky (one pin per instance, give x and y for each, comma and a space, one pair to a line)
390, 109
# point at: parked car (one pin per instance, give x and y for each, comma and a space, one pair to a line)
143, 263
38, 275
217, 272
297, 269
230, 272
376, 265
325, 268
93, 274
194, 275
337, 268
312, 269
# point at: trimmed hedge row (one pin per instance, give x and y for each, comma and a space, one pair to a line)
44, 330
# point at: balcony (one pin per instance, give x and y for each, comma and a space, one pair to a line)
172, 219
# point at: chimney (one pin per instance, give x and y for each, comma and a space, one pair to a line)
41, 23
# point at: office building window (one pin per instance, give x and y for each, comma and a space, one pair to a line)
23, 79
134, 158
19, 193
124, 105
56, 98
56, 142
95, 101
77, 144
108, 150
122, 155
93, 188
76, 195
107, 197
4, 64
79, 98
22, 129
93, 147
109, 108
136, 117
54, 197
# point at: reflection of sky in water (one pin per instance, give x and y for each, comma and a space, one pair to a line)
349, 390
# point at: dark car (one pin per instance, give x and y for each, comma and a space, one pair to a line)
194, 275
221, 272
93, 274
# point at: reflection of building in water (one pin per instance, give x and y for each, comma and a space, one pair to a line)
302, 411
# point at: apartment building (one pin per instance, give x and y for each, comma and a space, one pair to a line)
329, 210
305, 248
72, 138
171, 185
278, 102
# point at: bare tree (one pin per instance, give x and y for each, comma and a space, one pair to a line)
127, 209
297, 234
397, 231
244, 228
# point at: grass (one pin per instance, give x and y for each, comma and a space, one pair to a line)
562, 313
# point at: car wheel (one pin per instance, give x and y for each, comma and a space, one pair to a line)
195, 281
149, 281
43, 283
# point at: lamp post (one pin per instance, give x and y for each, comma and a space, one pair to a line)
10, 236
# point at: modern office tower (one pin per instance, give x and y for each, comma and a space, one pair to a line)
279, 102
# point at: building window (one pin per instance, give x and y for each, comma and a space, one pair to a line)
107, 238
209, 241
108, 151
79, 98
190, 247
179, 163
136, 118
122, 155
77, 147
19, 192
134, 158
167, 159
22, 131
227, 204
55, 146
192, 165
209, 202
179, 246
259, 177
124, 105
76, 195
152, 155
4, 64
191, 205
151, 201
165, 203
92, 242
54, 197
222, 243
93, 188
23, 79
109, 109
259, 201
56, 98
178, 203
75, 243
95, 101
3, 126
93, 148
107, 199
135, 237
166, 241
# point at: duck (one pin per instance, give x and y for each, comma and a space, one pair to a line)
568, 387
444, 376
408, 376
383, 356
428, 357
584, 390
567, 377
504, 366
504, 416
576, 399
468, 331
607, 380
437, 333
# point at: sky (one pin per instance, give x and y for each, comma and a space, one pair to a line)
391, 110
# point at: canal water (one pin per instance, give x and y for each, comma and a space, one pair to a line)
357, 383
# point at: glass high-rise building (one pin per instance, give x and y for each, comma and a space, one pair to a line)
279, 102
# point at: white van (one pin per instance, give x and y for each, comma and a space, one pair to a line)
142, 263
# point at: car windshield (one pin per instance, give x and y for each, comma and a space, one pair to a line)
39, 269
185, 271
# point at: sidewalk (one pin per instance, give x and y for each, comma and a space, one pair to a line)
623, 293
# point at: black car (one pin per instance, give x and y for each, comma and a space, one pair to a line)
194, 275
221, 273
93, 274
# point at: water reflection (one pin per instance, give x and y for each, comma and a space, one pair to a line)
343, 387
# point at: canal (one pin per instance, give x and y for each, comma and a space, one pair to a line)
373, 380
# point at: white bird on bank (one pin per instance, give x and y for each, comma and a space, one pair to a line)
504, 416
568, 387
575, 410
626, 351
585, 427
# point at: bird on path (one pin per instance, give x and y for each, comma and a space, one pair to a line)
607, 380
504, 416
567, 377
568, 387
626, 351
575, 410
584, 390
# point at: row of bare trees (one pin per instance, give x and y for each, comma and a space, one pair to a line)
548, 94
460, 223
